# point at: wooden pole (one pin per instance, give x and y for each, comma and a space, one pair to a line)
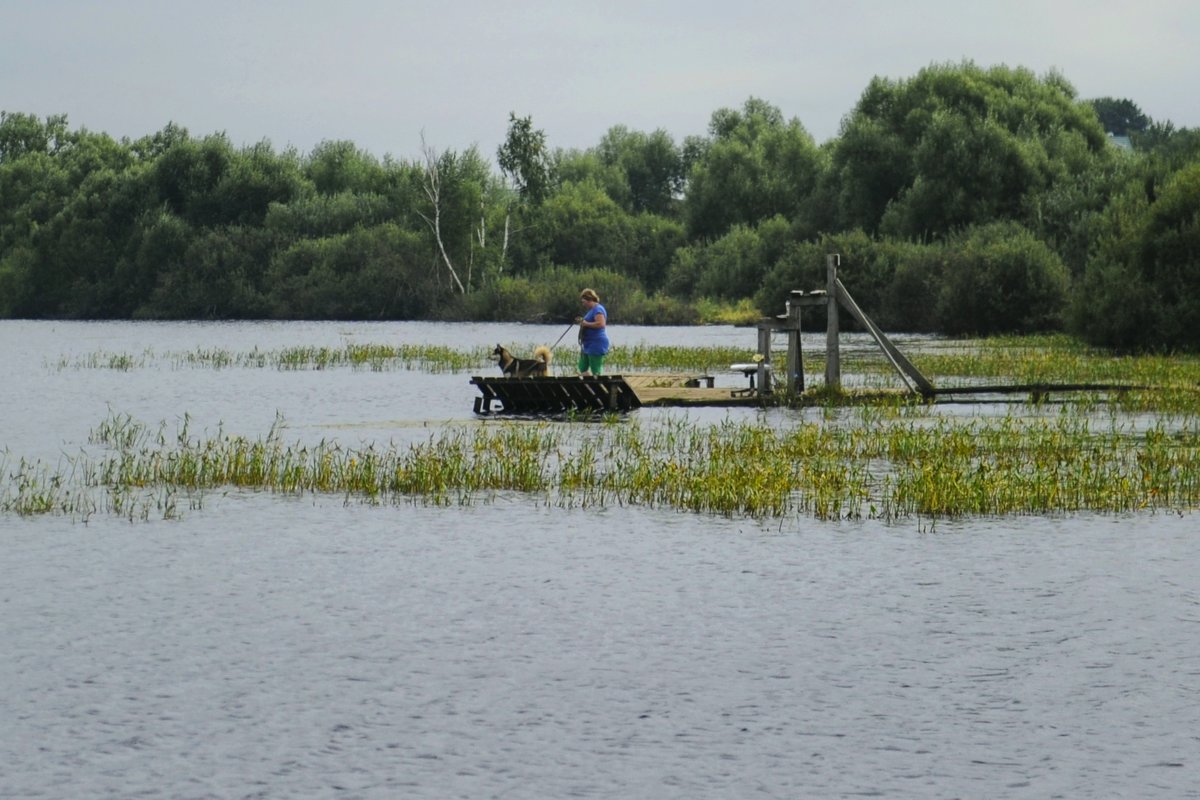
795, 358
905, 367
764, 349
833, 357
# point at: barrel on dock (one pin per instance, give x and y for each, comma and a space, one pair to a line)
549, 395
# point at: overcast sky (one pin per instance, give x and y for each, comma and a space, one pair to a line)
381, 72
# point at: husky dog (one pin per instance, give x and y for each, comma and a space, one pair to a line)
523, 367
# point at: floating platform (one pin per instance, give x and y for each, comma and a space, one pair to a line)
601, 393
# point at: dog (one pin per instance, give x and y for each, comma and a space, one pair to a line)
512, 366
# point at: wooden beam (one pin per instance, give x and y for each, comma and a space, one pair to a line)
905, 367
833, 355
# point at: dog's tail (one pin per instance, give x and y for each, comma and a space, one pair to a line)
543, 354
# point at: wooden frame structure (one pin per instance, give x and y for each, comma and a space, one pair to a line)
608, 393
831, 297
550, 394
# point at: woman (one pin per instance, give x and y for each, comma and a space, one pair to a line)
593, 337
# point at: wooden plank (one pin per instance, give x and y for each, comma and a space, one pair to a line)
548, 394
682, 396
1041, 389
898, 359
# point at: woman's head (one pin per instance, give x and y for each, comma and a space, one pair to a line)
589, 295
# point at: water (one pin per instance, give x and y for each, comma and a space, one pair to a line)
267, 646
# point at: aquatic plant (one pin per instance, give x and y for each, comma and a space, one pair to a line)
1167, 383
886, 462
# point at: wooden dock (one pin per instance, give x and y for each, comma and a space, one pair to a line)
601, 393
607, 393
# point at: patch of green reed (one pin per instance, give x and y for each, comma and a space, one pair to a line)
31, 488
376, 357
451, 465
885, 462
1056, 358
104, 359
428, 358
664, 357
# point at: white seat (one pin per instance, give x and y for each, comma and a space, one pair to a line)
750, 370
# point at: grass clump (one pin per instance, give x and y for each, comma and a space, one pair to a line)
886, 462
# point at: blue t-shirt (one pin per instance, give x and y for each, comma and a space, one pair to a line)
594, 341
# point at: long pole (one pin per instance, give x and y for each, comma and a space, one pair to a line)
833, 360
564, 333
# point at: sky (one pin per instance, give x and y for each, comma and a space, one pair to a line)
385, 73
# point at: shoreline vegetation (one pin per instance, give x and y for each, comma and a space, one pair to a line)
1136, 451
962, 200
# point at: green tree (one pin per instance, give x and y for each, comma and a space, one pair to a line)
581, 226
732, 266
321, 215
456, 187
650, 167
586, 166
185, 176
158, 247
753, 166
256, 179
382, 272
221, 275
525, 160
1120, 117
1000, 278
959, 145
23, 134
868, 266
1139, 290
335, 167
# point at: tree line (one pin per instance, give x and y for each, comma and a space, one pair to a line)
963, 200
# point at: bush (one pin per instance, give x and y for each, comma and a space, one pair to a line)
1000, 278
867, 267
1139, 289
374, 273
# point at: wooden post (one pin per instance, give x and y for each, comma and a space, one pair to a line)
833, 357
795, 358
764, 350
899, 360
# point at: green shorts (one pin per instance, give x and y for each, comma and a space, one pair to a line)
592, 364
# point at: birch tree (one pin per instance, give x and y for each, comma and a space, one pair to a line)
431, 184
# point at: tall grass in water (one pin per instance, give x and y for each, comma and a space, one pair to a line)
377, 357
429, 358
1174, 381
72, 489
886, 462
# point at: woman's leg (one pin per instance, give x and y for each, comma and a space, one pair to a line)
590, 365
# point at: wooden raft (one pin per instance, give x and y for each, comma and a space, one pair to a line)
550, 394
599, 393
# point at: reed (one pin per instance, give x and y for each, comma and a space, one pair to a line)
892, 462
380, 357
882, 462
1017, 359
888, 459
73, 490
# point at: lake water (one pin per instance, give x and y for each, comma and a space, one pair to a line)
305, 647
